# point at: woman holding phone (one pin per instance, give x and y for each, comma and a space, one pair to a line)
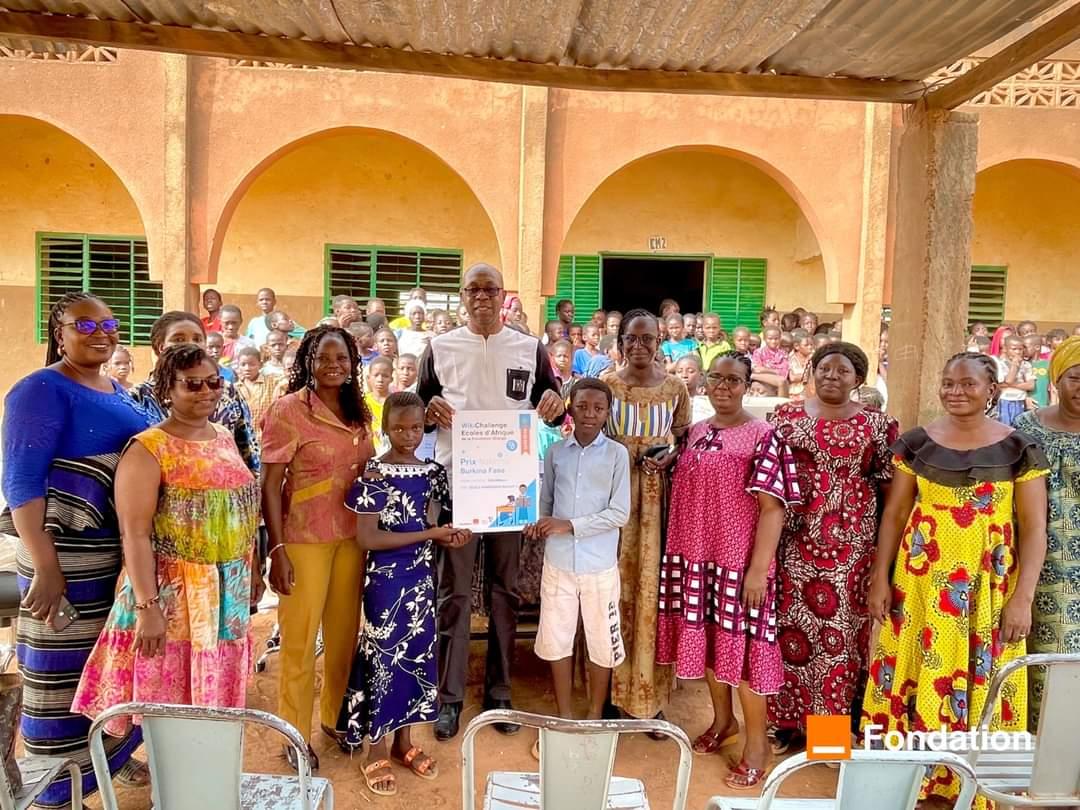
64, 427
650, 411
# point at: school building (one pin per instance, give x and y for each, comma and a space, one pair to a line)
147, 177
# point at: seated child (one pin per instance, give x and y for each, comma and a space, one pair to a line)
584, 501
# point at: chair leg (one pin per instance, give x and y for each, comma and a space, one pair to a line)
76, 786
328, 797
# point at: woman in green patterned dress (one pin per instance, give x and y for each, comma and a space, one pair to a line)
1056, 614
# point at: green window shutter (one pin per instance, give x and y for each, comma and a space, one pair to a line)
735, 290
390, 272
578, 280
61, 270
986, 294
115, 269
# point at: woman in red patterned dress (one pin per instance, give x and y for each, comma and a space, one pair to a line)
844, 464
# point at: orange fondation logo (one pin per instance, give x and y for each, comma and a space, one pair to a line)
828, 736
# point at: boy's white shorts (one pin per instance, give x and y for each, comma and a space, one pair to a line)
562, 594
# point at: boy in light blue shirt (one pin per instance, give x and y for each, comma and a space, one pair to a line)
584, 502
677, 344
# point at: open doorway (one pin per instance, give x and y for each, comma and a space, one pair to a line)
644, 281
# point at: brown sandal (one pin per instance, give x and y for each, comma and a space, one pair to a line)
427, 768
710, 742
743, 777
388, 778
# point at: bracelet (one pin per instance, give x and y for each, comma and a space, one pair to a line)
274, 548
154, 600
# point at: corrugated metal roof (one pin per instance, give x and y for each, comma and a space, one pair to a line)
872, 39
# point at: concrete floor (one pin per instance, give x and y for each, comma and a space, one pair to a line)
638, 756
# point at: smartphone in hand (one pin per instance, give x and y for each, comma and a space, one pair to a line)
65, 615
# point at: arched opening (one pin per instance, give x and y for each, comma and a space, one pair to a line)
1025, 243
361, 211
67, 222
704, 226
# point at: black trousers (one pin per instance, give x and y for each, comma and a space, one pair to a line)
502, 554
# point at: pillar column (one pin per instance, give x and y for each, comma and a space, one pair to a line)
531, 179
862, 319
932, 256
173, 256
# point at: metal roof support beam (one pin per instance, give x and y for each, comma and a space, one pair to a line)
207, 42
1045, 40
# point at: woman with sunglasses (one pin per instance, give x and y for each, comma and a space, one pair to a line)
650, 410
189, 510
176, 328
64, 427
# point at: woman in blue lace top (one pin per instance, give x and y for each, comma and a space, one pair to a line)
64, 428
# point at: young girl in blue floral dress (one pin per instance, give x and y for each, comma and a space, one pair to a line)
394, 679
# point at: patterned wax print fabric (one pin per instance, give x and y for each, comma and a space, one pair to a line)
642, 418
956, 567
824, 560
1056, 627
203, 535
394, 679
703, 625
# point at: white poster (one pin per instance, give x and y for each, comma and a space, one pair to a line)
495, 473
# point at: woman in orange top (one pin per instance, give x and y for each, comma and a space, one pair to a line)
316, 441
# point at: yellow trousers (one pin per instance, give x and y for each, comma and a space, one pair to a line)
327, 591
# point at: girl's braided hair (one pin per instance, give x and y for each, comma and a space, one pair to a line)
56, 315
352, 391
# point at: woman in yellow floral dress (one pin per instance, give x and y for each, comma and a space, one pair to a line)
965, 525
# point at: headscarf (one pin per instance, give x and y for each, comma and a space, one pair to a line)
998, 340
504, 313
414, 304
1065, 357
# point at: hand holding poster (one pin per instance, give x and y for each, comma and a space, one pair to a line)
496, 470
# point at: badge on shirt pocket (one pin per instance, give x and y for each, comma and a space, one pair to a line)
517, 383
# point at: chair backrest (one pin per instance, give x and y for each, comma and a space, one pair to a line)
1056, 769
195, 754
575, 769
576, 757
882, 780
196, 764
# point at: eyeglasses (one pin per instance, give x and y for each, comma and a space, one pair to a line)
486, 292
648, 341
195, 384
725, 381
87, 326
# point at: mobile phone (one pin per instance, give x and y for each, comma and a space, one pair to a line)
65, 615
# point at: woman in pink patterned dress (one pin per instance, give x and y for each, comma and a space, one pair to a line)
844, 464
717, 579
189, 511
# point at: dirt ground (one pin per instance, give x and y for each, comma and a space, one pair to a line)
638, 756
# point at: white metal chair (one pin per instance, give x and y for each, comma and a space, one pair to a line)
196, 757
37, 774
1046, 773
576, 762
882, 780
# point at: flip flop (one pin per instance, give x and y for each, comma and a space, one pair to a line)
338, 737
710, 742
133, 774
743, 777
378, 765
426, 769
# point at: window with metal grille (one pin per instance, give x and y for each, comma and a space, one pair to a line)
372, 271
579, 280
116, 269
986, 295
735, 290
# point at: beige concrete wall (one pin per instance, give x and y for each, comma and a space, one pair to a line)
704, 202
56, 184
1026, 215
363, 188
